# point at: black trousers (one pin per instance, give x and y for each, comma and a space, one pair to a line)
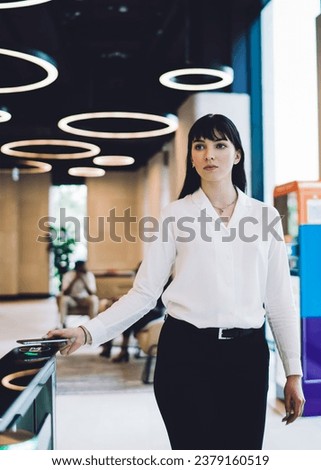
211, 393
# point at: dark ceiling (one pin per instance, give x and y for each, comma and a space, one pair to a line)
109, 54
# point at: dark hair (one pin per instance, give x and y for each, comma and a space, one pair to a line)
79, 264
213, 127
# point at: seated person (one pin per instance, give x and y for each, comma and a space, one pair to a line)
78, 289
157, 312
123, 356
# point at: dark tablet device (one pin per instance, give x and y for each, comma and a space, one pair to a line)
39, 341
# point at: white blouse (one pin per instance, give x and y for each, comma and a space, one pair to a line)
223, 276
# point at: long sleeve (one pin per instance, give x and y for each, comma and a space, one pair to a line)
150, 280
281, 310
215, 284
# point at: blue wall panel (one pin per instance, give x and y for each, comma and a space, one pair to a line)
310, 270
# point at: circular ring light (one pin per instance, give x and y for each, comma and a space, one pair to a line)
170, 121
4, 116
86, 171
52, 72
7, 380
225, 74
114, 160
91, 150
35, 167
22, 3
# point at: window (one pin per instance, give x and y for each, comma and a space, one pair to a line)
68, 209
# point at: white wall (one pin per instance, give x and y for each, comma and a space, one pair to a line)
290, 111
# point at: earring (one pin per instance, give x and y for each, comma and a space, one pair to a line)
193, 166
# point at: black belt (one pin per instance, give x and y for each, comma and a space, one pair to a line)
232, 333
220, 333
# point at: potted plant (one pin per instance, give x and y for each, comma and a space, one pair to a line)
62, 245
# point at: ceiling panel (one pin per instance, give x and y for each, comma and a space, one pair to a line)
109, 54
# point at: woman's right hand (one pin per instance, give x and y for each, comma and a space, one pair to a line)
75, 336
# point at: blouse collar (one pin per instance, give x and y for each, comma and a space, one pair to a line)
200, 198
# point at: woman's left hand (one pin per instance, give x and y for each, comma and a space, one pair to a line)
294, 399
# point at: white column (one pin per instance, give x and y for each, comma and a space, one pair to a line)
233, 105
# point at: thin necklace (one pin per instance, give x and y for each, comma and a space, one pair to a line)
222, 209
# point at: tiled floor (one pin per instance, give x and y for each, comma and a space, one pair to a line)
124, 420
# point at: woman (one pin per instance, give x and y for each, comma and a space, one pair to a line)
230, 272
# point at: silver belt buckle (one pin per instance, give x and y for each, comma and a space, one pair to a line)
220, 332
